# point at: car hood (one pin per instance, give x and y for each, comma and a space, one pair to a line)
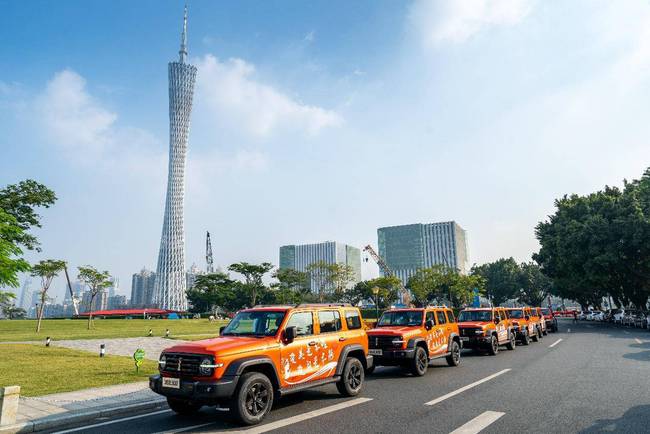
474, 323
394, 331
224, 345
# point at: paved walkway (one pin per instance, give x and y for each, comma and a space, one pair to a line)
122, 346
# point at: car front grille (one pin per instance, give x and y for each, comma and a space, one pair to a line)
382, 342
182, 364
469, 331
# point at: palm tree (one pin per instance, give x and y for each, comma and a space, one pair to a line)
47, 270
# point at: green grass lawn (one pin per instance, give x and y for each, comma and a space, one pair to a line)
40, 370
57, 329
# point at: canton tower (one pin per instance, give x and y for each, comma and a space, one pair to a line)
170, 281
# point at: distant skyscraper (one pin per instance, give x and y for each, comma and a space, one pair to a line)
26, 294
299, 257
408, 248
142, 288
170, 273
191, 274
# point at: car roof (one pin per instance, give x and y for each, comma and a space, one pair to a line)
481, 308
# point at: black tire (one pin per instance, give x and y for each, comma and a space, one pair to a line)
182, 407
525, 340
512, 341
420, 362
253, 398
493, 349
370, 370
453, 359
351, 382
545, 331
536, 335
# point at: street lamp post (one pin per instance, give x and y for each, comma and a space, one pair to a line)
375, 291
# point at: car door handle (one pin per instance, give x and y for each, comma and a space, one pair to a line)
341, 339
312, 343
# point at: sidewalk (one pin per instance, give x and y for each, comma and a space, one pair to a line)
63, 409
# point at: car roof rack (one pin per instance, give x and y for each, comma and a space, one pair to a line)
287, 306
324, 305
437, 306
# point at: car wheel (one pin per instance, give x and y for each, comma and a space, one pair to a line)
253, 398
351, 381
545, 331
182, 407
512, 341
525, 339
535, 335
494, 346
453, 359
420, 362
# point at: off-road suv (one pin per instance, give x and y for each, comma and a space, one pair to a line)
537, 317
410, 338
550, 319
266, 352
524, 328
486, 329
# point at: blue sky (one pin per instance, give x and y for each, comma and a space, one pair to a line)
319, 121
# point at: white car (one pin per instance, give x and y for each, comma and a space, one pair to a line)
583, 315
618, 316
597, 316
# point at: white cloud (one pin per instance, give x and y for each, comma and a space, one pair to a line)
234, 99
72, 117
309, 37
456, 21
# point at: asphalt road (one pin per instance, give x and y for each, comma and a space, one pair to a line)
595, 379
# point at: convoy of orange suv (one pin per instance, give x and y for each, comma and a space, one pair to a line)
270, 351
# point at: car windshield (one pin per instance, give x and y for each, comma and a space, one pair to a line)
255, 323
475, 315
517, 313
546, 311
400, 318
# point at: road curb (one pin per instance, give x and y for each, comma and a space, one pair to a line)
65, 420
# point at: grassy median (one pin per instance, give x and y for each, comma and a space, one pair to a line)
57, 329
41, 370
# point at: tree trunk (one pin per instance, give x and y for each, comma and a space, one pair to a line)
39, 313
90, 310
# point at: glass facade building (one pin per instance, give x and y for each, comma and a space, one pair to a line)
299, 257
408, 248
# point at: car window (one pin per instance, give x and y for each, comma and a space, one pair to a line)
450, 316
352, 319
329, 320
430, 317
441, 317
304, 323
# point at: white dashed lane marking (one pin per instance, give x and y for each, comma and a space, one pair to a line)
479, 423
302, 417
464, 388
638, 341
555, 343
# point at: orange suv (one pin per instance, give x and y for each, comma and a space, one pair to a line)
486, 329
523, 325
410, 338
266, 352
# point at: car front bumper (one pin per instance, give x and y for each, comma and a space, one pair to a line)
473, 342
393, 357
197, 391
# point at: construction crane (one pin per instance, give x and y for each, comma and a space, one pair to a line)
404, 296
75, 300
208, 254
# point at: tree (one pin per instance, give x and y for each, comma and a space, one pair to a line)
97, 281
340, 277
292, 279
9, 310
500, 279
388, 290
47, 270
10, 261
19, 201
211, 291
320, 275
253, 274
534, 286
463, 287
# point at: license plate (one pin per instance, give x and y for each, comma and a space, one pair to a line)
375, 352
172, 383
464, 339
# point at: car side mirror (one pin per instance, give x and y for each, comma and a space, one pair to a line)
290, 333
428, 324
527, 318
221, 329
497, 320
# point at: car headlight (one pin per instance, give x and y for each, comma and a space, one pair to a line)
162, 362
397, 342
207, 366
479, 332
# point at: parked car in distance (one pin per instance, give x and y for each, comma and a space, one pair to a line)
628, 317
525, 330
550, 319
537, 317
640, 319
617, 317
486, 329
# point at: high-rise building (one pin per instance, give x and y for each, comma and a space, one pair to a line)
407, 248
26, 294
142, 288
191, 274
114, 288
170, 273
100, 302
117, 302
299, 257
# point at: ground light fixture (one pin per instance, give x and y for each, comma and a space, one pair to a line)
47, 341
167, 333
102, 350
150, 332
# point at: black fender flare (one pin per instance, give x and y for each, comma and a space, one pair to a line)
453, 336
413, 342
237, 368
344, 355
